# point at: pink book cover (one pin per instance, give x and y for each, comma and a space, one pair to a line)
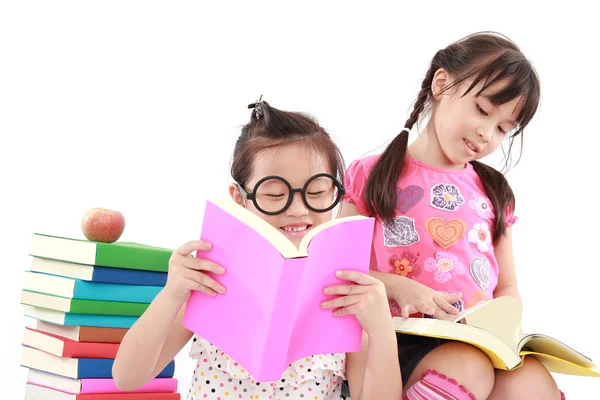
270, 315
159, 385
107, 386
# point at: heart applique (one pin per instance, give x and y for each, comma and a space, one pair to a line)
445, 233
408, 197
480, 269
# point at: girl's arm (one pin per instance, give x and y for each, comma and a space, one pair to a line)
410, 295
158, 335
151, 343
374, 372
507, 278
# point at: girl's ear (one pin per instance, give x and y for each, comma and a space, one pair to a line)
235, 194
440, 80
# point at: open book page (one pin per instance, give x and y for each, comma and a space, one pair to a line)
303, 248
558, 365
499, 352
544, 344
500, 316
262, 227
346, 245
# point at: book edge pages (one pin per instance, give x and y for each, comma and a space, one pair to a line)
480, 338
277, 239
305, 243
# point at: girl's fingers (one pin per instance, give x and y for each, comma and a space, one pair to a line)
445, 306
451, 299
342, 301
406, 311
202, 265
352, 309
187, 248
204, 280
346, 289
355, 276
193, 285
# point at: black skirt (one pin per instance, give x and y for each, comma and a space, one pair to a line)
411, 350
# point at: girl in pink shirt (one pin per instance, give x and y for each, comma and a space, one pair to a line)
442, 240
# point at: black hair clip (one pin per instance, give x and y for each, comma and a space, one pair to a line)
258, 112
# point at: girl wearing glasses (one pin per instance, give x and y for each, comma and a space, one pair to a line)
287, 170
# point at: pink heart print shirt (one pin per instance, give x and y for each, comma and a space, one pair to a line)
441, 234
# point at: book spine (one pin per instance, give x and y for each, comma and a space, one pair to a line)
101, 335
115, 308
115, 292
129, 276
90, 350
102, 368
160, 385
130, 396
102, 321
128, 255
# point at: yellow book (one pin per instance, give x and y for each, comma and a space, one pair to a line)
494, 327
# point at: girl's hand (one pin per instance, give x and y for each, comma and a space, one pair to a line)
365, 298
185, 272
413, 296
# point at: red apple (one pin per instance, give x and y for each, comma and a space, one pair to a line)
101, 225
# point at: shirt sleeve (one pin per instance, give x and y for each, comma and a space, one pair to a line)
355, 183
509, 216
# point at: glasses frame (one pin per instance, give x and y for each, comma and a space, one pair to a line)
252, 195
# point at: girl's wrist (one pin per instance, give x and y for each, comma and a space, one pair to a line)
170, 299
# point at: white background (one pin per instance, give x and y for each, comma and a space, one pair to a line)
136, 106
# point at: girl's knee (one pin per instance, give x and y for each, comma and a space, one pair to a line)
531, 380
473, 367
465, 364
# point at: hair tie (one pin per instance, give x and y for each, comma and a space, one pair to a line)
258, 111
406, 129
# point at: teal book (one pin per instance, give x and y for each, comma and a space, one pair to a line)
78, 306
117, 255
79, 289
70, 319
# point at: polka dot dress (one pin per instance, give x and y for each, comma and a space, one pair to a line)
217, 376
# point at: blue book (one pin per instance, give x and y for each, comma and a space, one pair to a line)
96, 273
77, 368
78, 289
69, 319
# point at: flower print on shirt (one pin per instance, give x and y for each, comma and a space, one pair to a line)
446, 197
478, 297
481, 236
444, 266
401, 232
482, 206
405, 264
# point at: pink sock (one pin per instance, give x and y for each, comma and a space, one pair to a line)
562, 395
436, 386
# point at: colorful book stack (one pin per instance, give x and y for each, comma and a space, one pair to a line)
84, 296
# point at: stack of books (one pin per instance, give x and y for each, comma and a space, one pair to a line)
84, 297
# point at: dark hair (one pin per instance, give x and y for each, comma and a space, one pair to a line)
269, 127
486, 57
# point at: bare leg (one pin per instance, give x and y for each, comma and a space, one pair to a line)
465, 364
531, 381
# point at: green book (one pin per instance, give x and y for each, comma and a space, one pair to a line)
78, 306
118, 254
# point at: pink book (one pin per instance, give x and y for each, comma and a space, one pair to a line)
91, 386
270, 315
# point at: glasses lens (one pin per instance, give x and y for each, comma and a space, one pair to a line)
272, 195
321, 193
